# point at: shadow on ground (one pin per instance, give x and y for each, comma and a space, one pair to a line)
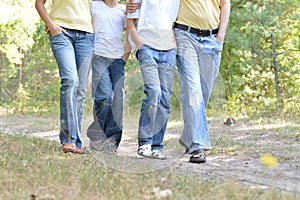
236, 153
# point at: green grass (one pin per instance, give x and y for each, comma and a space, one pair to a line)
32, 168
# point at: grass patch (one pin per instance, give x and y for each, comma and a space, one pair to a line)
32, 168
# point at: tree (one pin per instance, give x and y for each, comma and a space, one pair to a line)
28, 69
247, 65
17, 27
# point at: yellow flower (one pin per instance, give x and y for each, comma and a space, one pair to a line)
268, 160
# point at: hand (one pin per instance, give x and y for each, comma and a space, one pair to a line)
55, 30
139, 45
132, 6
220, 37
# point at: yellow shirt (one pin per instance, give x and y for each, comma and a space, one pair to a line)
200, 14
72, 14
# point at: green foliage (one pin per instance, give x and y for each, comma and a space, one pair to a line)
247, 64
122, 1
248, 84
29, 78
42, 74
21, 99
17, 27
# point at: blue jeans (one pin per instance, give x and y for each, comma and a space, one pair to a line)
157, 69
108, 93
73, 53
198, 61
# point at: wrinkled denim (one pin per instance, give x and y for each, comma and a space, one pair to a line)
73, 53
157, 69
198, 61
108, 93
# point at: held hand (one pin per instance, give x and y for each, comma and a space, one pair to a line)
132, 6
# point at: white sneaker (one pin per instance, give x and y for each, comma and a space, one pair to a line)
158, 155
145, 150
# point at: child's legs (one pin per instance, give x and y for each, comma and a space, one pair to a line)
149, 69
157, 69
114, 122
102, 89
84, 48
166, 73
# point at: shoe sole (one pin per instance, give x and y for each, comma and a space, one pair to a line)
197, 161
151, 156
74, 151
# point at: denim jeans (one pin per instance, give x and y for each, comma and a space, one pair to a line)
108, 93
157, 69
73, 53
198, 61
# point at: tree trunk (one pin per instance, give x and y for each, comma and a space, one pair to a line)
229, 71
275, 66
21, 69
1, 65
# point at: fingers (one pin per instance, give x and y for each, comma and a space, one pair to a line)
63, 30
132, 7
56, 30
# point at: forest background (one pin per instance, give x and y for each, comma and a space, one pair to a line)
259, 72
259, 82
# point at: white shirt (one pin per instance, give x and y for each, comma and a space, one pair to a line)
155, 21
108, 24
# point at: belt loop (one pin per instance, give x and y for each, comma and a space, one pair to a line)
210, 32
189, 29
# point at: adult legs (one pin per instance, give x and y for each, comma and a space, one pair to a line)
73, 62
195, 133
64, 54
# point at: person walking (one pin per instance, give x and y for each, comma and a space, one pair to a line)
72, 40
151, 36
200, 30
109, 59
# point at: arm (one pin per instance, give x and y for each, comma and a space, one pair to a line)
131, 29
224, 19
50, 26
127, 49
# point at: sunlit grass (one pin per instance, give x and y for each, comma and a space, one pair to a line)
35, 168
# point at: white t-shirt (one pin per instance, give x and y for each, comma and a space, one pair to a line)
108, 24
155, 21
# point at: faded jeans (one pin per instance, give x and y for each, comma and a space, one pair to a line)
157, 69
73, 53
198, 61
108, 93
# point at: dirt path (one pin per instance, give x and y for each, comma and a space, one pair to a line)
236, 154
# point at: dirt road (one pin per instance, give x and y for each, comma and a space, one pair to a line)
236, 155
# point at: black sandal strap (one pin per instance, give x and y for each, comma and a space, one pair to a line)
199, 156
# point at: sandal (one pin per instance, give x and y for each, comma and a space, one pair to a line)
198, 156
80, 150
71, 148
